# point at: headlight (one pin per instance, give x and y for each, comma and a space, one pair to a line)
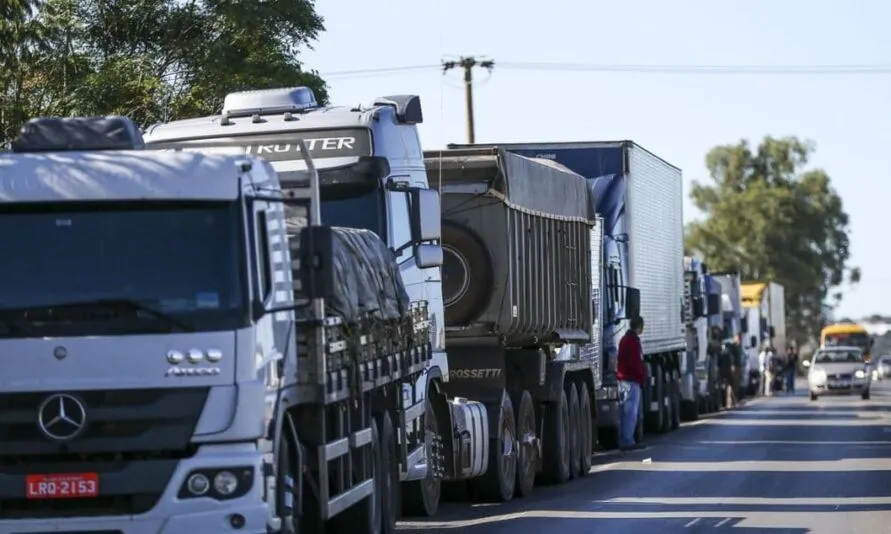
818, 375
860, 373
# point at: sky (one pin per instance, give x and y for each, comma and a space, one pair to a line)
677, 116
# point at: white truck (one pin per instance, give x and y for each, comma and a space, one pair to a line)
640, 198
189, 350
764, 308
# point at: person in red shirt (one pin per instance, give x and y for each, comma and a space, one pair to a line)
631, 374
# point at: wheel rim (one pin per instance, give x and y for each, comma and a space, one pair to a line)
432, 483
526, 433
567, 448
508, 448
455, 275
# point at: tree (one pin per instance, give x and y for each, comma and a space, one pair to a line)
774, 220
152, 60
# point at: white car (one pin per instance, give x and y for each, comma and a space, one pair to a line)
838, 371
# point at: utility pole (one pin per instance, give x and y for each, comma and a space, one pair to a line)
468, 63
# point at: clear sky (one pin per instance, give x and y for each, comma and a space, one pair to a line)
677, 116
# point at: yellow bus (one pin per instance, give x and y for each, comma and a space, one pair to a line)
847, 334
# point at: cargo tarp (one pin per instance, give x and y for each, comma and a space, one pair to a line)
543, 185
368, 279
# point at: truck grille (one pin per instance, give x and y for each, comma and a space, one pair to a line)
132, 438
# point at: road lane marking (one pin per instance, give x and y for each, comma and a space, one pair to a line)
751, 501
717, 525
693, 522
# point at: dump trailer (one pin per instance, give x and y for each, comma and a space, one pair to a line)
640, 198
253, 385
521, 253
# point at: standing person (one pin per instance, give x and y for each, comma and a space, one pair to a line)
768, 372
791, 369
631, 374
725, 368
739, 364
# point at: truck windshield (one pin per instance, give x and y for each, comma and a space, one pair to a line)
354, 209
120, 268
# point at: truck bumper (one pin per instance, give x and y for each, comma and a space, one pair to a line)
172, 515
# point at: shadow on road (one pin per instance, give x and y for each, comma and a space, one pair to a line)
778, 465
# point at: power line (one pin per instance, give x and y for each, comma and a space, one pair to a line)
754, 69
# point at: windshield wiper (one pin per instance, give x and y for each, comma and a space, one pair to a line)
61, 310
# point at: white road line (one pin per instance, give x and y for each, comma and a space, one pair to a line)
722, 522
693, 522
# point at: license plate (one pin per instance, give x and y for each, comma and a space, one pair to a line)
62, 486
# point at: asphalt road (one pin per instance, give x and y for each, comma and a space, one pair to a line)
776, 465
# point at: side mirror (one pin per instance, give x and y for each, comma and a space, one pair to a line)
426, 223
714, 304
318, 272
753, 342
806, 363
632, 302
427, 255
773, 332
872, 341
744, 327
698, 308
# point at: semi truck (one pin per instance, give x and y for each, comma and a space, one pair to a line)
697, 368
373, 177
734, 327
207, 356
521, 279
639, 196
765, 314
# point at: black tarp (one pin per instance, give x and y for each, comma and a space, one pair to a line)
368, 279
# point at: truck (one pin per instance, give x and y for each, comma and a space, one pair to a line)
734, 327
639, 196
699, 374
521, 281
208, 356
765, 315
371, 177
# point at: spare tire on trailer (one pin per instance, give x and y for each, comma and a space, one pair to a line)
467, 274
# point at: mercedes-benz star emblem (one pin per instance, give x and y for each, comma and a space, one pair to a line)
61, 417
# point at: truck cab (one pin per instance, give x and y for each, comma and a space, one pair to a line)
134, 386
372, 176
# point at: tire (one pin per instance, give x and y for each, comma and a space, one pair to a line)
499, 480
556, 446
813, 396
389, 469
587, 429
365, 517
420, 498
607, 438
865, 395
467, 274
287, 477
527, 449
689, 410
575, 435
653, 421
675, 404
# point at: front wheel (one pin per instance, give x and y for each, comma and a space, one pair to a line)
865, 395
813, 396
421, 497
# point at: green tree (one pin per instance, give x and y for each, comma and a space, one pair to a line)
773, 219
152, 60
